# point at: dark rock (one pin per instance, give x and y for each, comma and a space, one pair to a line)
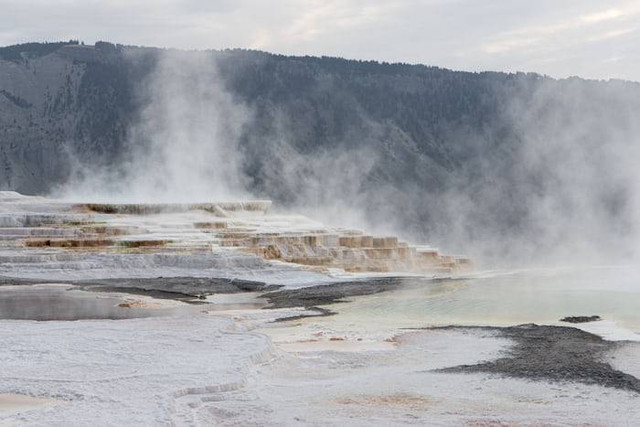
554, 353
580, 319
335, 292
160, 287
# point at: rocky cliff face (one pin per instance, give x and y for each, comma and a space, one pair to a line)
437, 153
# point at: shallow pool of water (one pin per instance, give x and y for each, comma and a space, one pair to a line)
57, 302
235, 301
540, 296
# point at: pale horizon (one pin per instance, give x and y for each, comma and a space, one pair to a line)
561, 39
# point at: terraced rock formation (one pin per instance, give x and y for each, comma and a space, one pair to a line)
38, 235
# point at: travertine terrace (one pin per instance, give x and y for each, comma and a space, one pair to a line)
40, 235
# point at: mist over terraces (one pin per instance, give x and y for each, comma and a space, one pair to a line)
442, 156
42, 239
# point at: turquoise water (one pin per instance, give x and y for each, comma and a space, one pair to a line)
534, 296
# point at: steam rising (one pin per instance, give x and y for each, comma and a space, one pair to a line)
564, 190
189, 131
184, 145
569, 180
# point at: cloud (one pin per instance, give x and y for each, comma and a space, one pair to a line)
612, 34
572, 37
605, 15
321, 17
568, 31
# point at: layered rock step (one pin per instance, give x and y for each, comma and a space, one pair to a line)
351, 252
205, 228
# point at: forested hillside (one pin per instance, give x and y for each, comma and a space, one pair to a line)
455, 158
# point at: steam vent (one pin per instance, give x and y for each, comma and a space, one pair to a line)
47, 239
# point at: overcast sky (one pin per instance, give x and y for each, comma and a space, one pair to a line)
589, 38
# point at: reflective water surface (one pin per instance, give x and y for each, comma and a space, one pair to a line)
534, 296
58, 302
